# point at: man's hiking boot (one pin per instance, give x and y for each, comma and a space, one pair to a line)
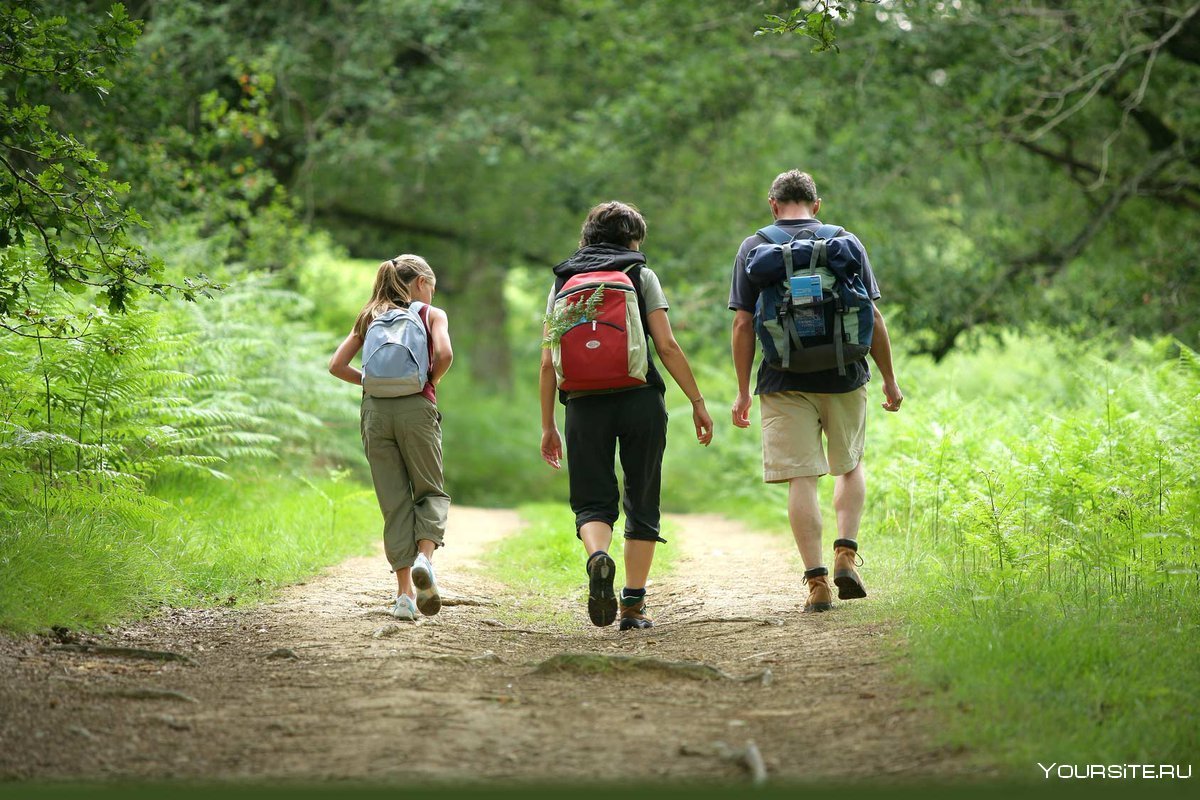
845, 576
820, 597
602, 600
428, 599
633, 613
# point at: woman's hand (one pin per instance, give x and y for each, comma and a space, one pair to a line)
552, 447
703, 422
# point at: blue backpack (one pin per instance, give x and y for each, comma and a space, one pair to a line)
814, 312
395, 354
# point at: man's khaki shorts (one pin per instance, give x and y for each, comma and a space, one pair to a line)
792, 426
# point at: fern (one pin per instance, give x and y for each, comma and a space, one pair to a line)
171, 388
559, 321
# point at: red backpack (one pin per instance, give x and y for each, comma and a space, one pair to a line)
601, 344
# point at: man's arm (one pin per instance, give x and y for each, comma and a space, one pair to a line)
881, 354
743, 362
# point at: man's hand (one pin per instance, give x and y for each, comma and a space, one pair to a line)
552, 447
741, 410
892, 395
703, 423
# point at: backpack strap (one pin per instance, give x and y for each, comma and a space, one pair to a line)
634, 271
774, 234
829, 231
789, 323
423, 313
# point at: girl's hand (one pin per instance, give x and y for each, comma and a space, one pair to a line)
552, 447
703, 423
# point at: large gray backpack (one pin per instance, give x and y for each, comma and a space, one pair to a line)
396, 353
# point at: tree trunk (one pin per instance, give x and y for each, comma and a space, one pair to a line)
480, 321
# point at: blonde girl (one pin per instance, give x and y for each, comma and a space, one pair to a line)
402, 437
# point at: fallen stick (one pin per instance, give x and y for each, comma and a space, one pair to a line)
593, 663
748, 757
487, 656
754, 762
500, 626
756, 620
764, 677
466, 601
143, 693
125, 652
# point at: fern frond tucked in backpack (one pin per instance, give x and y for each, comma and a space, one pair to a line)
562, 319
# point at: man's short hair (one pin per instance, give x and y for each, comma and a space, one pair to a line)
794, 186
613, 223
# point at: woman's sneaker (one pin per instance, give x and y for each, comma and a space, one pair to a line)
633, 613
602, 600
404, 608
428, 599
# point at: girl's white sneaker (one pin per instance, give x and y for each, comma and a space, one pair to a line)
404, 608
428, 599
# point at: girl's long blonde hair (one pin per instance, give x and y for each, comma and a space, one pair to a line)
393, 288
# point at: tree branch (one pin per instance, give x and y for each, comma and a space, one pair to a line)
1053, 260
340, 213
1169, 191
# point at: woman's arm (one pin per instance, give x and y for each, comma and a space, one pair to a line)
547, 385
677, 364
443, 353
339, 365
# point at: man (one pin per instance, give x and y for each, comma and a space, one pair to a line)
798, 408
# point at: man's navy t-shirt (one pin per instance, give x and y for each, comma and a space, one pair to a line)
743, 295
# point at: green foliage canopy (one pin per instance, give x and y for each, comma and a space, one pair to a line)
63, 220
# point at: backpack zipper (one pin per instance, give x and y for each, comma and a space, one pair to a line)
593, 323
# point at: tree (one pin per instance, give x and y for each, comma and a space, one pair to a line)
64, 221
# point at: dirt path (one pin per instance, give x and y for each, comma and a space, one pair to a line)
457, 697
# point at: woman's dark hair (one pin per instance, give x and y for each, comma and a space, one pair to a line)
613, 223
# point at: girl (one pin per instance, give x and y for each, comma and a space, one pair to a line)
402, 437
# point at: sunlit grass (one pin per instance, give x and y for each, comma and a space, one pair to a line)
211, 543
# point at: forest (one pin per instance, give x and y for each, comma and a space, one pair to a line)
194, 198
